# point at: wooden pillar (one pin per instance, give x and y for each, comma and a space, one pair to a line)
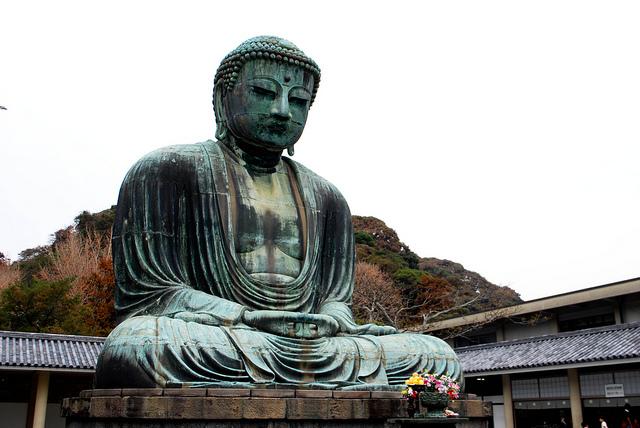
38, 403
574, 397
508, 401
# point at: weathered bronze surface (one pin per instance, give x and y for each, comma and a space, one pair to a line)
234, 265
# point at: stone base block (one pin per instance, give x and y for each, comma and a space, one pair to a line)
252, 408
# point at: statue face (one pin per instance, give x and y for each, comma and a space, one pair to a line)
268, 105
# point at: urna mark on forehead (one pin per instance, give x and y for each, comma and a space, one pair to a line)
289, 75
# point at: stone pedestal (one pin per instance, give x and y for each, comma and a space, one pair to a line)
252, 408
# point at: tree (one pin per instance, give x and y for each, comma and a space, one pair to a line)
85, 262
98, 223
42, 306
374, 295
9, 273
486, 317
385, 241
76, 257
429, 299
67, 287
60, 236
378, 244
437, 297
489, 296
98, 295
32, 260
411, 300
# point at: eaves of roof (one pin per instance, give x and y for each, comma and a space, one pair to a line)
596, 346
591, 294
43, 351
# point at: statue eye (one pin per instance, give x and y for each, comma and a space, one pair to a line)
302, 102
264, 92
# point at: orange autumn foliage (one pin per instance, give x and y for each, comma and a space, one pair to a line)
375, 297
98, 292
9, 274
86, 260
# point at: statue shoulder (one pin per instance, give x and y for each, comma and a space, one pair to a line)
171, 162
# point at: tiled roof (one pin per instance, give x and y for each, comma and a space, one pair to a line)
51, 351
609, 343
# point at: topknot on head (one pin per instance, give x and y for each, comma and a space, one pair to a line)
265, 47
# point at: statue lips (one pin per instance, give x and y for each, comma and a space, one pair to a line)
266, 124
282, 127
278, 127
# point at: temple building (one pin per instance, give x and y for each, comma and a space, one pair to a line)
574, 356
38, 370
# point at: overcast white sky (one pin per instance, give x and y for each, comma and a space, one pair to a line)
503, 135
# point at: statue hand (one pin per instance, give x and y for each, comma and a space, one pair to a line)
372, 329
292, 324
197, 317
379, 330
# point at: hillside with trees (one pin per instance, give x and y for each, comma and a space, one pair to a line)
68, 285
417, 290
64, 287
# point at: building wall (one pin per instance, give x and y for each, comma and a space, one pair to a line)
542, 398
54, 420
14, 415
517, 331
17, 388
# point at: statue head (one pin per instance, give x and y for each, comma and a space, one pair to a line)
263, 90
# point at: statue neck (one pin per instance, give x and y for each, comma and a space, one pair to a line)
254, 157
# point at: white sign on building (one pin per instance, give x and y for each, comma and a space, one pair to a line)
613, 390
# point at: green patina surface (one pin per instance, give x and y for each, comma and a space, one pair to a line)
234, 264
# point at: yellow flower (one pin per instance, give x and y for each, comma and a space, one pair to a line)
415, 379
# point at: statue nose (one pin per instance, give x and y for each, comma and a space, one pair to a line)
281, 108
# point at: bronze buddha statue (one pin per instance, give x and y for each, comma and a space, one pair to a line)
234, 264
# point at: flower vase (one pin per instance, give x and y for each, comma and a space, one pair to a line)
413, 405
435, 403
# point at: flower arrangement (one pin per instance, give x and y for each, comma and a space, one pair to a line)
432, 391
440, 384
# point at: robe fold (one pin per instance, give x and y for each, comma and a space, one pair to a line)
181, 289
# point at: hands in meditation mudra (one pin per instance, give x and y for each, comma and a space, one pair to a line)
234, 265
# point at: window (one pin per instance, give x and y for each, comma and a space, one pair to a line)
524, 388
477, 339
631, 381
554, 387
586, 322
544, 387
592, 384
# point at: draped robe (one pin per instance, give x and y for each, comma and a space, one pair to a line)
181, 289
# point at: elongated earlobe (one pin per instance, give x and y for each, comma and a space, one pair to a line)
221, 130
290, 150
218, 109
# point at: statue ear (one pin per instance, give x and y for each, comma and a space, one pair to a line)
218, 108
